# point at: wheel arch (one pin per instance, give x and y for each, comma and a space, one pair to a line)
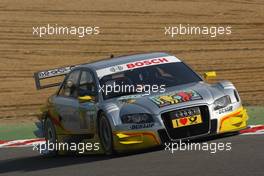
108, 116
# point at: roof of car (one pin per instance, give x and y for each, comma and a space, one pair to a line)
123, 60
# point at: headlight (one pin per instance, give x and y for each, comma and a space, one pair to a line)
137, 118
222, 102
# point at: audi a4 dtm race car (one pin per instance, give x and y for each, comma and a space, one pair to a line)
135, 102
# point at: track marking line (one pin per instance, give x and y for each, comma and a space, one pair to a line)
252, 130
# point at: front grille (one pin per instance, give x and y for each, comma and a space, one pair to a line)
187, 131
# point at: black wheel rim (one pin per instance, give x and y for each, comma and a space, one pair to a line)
105, 134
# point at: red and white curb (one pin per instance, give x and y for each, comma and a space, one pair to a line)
252, 130
21, 143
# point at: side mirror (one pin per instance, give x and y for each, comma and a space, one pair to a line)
86, 98
209, 75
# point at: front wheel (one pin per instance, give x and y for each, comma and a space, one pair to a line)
105, 134
51, 138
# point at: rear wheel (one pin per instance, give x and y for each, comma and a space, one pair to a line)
51, 138
105, 134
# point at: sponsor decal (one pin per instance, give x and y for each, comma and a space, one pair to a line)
129, 99
116, 68
175, 97
139, 126
55, 72
187, 121
147, 62
224, 110
133, 65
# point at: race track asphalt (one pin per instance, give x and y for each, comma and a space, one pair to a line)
245, 159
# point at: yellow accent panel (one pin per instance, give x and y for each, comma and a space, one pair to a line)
129, 138
86, 98
130, 142
134, 140
234, 121
121, 135
211, 74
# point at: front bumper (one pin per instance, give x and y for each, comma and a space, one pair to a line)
136, 140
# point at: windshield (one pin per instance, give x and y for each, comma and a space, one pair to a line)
159, 76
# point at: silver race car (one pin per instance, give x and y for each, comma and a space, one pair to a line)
135, 102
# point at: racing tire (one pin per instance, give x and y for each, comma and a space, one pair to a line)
105, 135
50, 137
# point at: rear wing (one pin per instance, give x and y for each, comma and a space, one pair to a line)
41, 75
